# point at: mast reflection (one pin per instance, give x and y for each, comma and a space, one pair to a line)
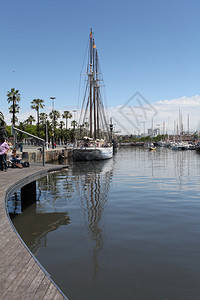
93, 184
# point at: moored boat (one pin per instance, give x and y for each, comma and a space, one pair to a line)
93, 153
98, 144
151, 147
197, 147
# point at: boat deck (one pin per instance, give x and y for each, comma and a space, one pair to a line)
21, 276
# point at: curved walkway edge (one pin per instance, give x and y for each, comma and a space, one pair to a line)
21, 275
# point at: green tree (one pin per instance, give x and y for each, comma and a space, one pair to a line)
32, 129
30, 120
43, 118
37, 104
61, 125
8, 131
44, 123
54, 116
22, 127
74, 124
13, 97
61, 129
66, 115
81, 130
14, 112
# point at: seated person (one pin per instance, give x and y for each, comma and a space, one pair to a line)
14, 157
9, 153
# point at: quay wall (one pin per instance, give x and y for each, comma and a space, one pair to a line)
132, 144
50, 155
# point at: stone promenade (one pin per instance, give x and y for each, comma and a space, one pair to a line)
21, 276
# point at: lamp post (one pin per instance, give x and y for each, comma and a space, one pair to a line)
53, 123
47, 147
74, 111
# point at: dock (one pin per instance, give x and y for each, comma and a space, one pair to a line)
21, 275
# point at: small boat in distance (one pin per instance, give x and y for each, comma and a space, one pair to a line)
151, 147
94, 141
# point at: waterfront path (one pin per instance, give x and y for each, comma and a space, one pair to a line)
21, 276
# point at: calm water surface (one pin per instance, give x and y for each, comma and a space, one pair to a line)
126, 228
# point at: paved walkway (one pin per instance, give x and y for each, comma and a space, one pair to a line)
21, 276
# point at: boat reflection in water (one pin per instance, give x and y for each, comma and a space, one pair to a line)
77, 198
93, 184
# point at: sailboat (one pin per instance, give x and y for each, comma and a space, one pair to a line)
94, 142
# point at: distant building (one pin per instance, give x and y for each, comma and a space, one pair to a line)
153, 132
187, 136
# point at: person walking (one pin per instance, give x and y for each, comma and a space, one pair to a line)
21, 146
3, 151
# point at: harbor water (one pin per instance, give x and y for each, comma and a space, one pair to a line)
125, 228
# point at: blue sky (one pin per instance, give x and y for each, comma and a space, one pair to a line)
148, 46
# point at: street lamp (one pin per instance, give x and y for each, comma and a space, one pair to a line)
74, 111
53, 123
46, 134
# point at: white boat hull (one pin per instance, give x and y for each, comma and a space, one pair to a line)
92, 153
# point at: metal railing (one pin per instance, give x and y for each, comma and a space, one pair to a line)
13, 131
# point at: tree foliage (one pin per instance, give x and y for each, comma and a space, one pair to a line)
13, 97
37, 104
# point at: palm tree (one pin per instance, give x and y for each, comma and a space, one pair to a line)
72, 132
37, 104
74, 124
61, 130
14, 110
13, 96
45, 125
54, 115
43, 118
22, 127
30, 120
66, 115
61, 125
81, 127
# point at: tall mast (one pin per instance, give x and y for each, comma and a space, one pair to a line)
180, 125
91, 82
94, 89
97, 95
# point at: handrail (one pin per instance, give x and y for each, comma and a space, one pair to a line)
13, 129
